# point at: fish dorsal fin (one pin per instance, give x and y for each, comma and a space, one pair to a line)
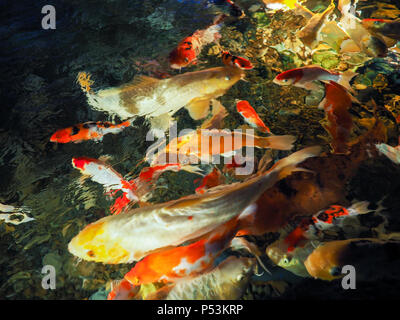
140, 83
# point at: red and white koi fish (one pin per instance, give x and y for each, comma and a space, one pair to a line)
189, 48
234, 61
303, 77
111, 180
184, 262
310, 228
250, 116
88, 131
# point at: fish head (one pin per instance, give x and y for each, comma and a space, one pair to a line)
94, 243
182, 56
80, 163
373, 24
285, 78
219, 79
63, 135
278, 253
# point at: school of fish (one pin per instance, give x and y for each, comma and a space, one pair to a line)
177, 248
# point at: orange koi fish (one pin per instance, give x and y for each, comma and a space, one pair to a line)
303, 77
189, 48
328, 259
204, 144
250, 116
88, 131
336, 104
234, 61
310, 228
111, 180
213, 179
184, 262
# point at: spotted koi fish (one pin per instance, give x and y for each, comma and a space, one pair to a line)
310, 228
234, 61
88, 131
110, 179
183, 262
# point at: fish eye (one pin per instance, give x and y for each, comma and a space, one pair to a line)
285, 80
227, 78
286, 260
186, 59
239, 277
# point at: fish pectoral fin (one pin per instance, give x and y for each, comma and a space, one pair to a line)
311, 86
198, 109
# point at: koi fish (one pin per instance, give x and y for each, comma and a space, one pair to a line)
203, 145
189, 48
310, 228
309, 33
131, 236
370, 44
183, 262
88, 131
336, 104
228, 281
122, 290
110, 179
234, 61
213, 179
383, 27
250, 116
393, 153
302, 194
292, 261
151, 98
365, 255
303, 77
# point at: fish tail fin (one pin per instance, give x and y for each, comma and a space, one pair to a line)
85, 82
193, 169
276, 142
288, 165
345, 78
359, 207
